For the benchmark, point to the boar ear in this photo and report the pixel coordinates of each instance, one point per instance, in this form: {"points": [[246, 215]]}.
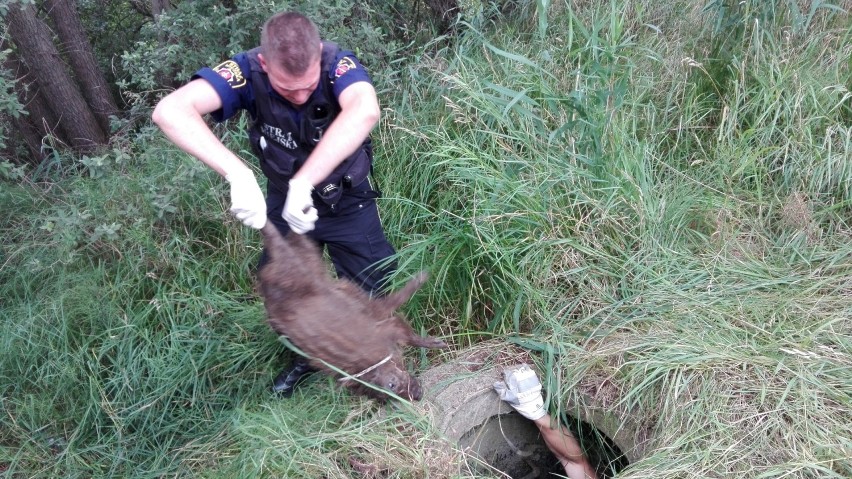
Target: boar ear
{"points": [[394, 300]]}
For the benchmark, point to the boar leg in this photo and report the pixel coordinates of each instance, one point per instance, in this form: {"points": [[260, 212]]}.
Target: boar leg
{"points": [[394, 300], [404, 334], [273, 240], [425, 341]]}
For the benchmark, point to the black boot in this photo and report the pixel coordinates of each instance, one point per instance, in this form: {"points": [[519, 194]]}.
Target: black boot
{"points": [[286, 382]]}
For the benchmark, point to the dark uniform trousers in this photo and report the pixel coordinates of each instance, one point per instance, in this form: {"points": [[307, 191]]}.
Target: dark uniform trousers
{"points": [[351, 231]]}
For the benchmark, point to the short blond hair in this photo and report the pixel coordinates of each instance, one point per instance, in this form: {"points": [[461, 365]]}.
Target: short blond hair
{"points": [[291, 41]]}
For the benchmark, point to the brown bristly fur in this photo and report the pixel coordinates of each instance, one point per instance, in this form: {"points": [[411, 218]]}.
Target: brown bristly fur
{"points": [[333, 321]]}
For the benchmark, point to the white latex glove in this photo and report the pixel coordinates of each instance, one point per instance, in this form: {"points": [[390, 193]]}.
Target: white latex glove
{"points": [[522, 390], [299, 211], [247, 202]]}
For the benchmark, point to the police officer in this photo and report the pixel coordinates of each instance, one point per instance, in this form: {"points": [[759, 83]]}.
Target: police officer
{"points": [[312, 107]]}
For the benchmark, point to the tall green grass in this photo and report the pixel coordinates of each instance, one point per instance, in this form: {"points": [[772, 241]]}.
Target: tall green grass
{"points": [[665, 226], [672, 238]]}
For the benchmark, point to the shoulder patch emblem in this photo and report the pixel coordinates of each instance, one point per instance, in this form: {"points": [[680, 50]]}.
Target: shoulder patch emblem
{"points": [[231, 72], [344, 65]]}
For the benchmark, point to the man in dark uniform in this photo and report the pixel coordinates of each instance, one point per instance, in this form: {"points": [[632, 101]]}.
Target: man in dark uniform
{"points": [[313, 107]]}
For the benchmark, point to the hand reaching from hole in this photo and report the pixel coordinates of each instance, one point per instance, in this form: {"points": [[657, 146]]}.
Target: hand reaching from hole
{"points": [[522, 390]]}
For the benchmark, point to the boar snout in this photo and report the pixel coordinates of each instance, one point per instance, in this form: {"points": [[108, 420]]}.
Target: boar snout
{"points": [[414, 392], [393, 379]]}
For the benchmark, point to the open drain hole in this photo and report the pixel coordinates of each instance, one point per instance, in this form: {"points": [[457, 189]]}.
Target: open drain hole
{"points": [[512, 444], [602, 452]]}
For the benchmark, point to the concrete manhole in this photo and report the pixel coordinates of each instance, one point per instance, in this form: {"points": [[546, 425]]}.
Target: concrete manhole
{"points": [[511, 444], [467, 412]]}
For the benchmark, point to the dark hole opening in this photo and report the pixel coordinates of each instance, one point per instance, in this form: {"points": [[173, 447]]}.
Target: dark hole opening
{"points": [[603, 454], [512, 444]]}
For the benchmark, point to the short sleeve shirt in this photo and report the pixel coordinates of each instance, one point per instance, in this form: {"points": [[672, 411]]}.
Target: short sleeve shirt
{"points": [[232, 81]]}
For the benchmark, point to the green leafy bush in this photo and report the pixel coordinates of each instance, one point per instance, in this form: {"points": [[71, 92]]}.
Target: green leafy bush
{"points": [[205, 33]]}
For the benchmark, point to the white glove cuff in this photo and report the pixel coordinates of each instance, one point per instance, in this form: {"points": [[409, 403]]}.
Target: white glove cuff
{"points": [[531, 408], [239, 174], [300, 184], [533, 415]]}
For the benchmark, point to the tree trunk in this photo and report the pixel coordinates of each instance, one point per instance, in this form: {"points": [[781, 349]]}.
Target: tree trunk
{"points": [[78, 51], [57, 88], [159, 6], [38, 120]]}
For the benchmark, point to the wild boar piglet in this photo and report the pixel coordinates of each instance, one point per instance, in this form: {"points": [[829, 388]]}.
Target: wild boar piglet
{"points": [[334, 322]]}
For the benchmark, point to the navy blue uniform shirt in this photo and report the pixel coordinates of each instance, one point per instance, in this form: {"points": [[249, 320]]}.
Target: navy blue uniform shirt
{"points": [[232, 81]]}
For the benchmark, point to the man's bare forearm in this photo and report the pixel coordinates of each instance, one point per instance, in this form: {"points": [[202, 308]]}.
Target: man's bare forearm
{"points": [[343, 137], [178, 116]]}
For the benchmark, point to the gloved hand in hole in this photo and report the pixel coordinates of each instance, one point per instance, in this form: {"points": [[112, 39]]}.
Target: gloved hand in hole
{"points": [[522, 390]]}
